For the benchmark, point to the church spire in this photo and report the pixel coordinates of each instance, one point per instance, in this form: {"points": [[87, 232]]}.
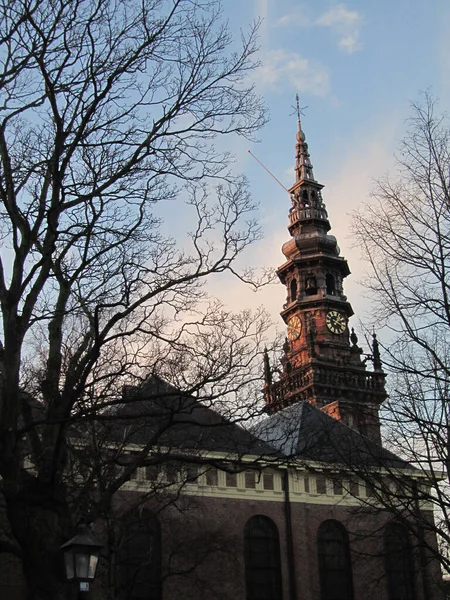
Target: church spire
{"points": [[303, 166], [308, 209], [321, 364]]}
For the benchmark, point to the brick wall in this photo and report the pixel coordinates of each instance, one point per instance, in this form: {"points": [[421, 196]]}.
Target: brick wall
{"points": [[203, 549]]}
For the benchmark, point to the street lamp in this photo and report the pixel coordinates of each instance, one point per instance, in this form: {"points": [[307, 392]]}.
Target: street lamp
{"points": [[81, 558]]}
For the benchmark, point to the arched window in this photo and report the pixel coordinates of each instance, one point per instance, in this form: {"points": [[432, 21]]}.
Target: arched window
{"points": [[331, 286], [140, 558], [293, 290], [335, 567], [262, 559], [399, 563], [310, 285]]}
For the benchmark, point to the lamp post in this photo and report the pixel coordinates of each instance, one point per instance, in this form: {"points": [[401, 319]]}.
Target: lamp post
{"points": [[81, 557]]}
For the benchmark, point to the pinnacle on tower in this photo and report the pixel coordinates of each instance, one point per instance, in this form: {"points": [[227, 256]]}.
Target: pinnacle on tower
{"points": [[267, 370], [376, 353]]}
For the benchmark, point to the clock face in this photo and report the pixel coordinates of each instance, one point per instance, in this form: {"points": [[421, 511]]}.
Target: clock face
{"points": [[294, 328], [336, 322]]}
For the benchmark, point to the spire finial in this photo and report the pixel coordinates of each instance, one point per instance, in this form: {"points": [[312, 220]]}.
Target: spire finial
{"points": [[300, 133], [303, 166], [298, 111]]}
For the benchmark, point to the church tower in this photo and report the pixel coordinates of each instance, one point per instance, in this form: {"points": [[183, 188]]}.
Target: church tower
{"points": [[322, 362]]}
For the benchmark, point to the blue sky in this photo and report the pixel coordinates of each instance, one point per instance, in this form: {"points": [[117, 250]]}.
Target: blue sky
{"points": [[357, 65]]}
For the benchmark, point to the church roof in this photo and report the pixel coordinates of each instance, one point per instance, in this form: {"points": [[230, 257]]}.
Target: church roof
{"points": [[159, 411], [303, 431]]}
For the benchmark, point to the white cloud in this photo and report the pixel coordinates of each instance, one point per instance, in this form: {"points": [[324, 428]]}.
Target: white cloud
{"points": [[339, 16], [350, 44], [346, 24], [299, 19], [280, 67]]}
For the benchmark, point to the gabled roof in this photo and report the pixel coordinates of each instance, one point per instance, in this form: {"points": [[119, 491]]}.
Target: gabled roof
{"points": [[158, 411], [305, 432]]}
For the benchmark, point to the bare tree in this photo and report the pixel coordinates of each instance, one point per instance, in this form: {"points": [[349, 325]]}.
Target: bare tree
{"points": [[404, 232], [109, 110]]}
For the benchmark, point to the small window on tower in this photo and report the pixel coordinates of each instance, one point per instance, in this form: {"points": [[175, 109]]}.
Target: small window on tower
{"points": [[305, 198], [331, 285], [310, 285], [293, 290]]}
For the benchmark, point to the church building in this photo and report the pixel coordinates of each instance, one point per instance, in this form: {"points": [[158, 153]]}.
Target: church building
{"points": [[286, 510], [289, 509]]}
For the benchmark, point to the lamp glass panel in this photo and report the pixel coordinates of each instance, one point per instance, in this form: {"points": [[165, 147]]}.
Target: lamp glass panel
{"points": [[82, 565], [92, 566], [68, 559]]}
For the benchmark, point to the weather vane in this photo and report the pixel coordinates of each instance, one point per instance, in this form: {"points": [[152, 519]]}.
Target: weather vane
{"points": [[299, 110]]}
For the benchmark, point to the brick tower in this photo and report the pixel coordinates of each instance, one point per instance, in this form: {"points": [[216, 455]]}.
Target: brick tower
{"points": [[322, 362]]}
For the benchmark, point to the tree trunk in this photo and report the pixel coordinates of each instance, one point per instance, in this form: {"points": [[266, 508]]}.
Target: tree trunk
{"points": [[39, 519]]}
